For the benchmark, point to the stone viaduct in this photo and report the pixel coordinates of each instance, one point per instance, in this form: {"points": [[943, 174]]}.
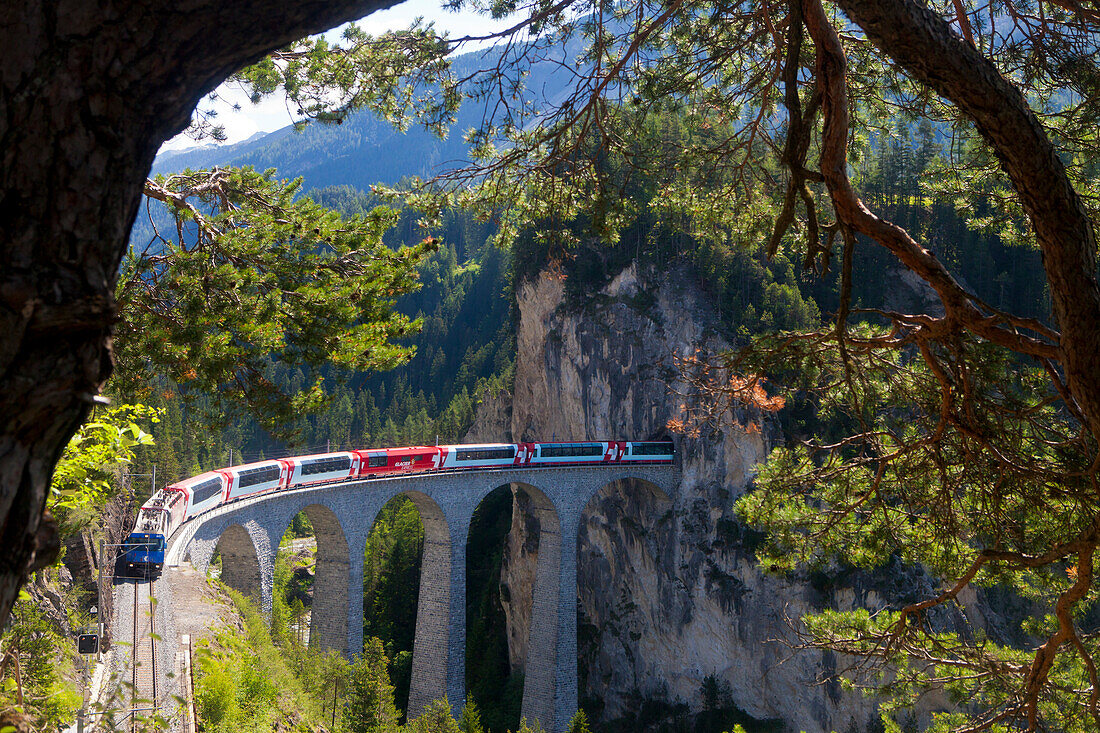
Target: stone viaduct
{"points": [[247, 534]]}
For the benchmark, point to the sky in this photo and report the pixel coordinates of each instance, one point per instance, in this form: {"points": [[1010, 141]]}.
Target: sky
{"points": [[273, 113]]}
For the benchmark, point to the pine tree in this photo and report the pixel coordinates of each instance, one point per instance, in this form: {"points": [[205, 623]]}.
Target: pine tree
{"points": [[253, 274], [470, 722], [579, 723], [436, 718], [369, 704]]}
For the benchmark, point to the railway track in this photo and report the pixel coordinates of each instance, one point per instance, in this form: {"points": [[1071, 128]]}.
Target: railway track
{"points": [[143, 668]]}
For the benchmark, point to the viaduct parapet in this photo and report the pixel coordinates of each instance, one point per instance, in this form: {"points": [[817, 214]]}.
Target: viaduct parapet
{"points": [[247, 535]]}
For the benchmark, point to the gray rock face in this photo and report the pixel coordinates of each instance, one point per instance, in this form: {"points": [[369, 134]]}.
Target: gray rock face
{"points": [[669, 592], [492, 420]]}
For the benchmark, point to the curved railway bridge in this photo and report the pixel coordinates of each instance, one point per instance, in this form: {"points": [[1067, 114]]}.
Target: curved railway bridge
{"points": [[247, 534]]}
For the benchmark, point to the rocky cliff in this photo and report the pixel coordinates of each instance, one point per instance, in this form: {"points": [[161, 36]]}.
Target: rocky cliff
{"points": [[670, 597]]}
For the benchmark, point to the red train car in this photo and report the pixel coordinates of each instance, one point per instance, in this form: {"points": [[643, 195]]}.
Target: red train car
{"points": [[390, 461]]}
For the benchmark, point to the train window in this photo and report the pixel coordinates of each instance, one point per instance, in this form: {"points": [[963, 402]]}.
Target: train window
{"points": [[376, 460], [325, 465], [205, 490], [485, 454], [142, 543], [253, 476], [572, 450], [652, 449]]}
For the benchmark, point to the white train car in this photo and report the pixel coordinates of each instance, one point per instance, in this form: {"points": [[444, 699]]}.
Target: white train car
{"points": [[201, 492], [485, 455], [322, 468], [657, 451], [255, 478], [549, 454], [162, 512]]}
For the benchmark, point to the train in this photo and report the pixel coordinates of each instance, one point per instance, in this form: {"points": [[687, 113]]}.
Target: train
{"points": [[171, 506]]}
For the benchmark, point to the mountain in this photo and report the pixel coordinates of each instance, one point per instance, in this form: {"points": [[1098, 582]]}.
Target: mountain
{"points": [[203, 156], [363, 150]]}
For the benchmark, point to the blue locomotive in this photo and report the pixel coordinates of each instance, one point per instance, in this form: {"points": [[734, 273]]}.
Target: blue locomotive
{"points": [[143, 551]]}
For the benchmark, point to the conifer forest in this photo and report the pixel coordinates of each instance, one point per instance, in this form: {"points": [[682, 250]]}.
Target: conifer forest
{"points": [[841, 254]]}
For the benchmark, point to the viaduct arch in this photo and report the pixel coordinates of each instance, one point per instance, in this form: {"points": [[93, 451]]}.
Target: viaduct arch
{"points": [[247, 533]]}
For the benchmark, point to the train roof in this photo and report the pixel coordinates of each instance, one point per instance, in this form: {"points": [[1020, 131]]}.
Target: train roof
{"points": [[320, 456], [465, 446], [249, 466], [406, 451], [190, 483]]}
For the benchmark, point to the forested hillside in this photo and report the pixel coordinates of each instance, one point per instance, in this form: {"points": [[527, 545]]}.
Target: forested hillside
{"points": [[465, 300], [844, 253], [466, 348]]}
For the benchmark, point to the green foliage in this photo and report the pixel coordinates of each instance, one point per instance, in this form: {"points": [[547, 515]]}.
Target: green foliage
{"points": [[464, 352], [899, 398], [370, 707], [292, 592], [300, 526], [32, 643], [436, 718], [646, 209], [395, 75], [909, 178], [902, 487], [283, 596], [391, 586], [255, 275], [258, 680], [88, 473], [525, 727], [719, 712], [579, 723], [216, 698], [470, 722], [244, 683]]}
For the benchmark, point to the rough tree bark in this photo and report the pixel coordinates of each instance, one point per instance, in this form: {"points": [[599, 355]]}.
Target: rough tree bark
{"points": [[88, 92]]}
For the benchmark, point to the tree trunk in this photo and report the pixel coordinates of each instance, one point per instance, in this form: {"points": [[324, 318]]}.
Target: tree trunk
{"points": [[88, 92]]}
